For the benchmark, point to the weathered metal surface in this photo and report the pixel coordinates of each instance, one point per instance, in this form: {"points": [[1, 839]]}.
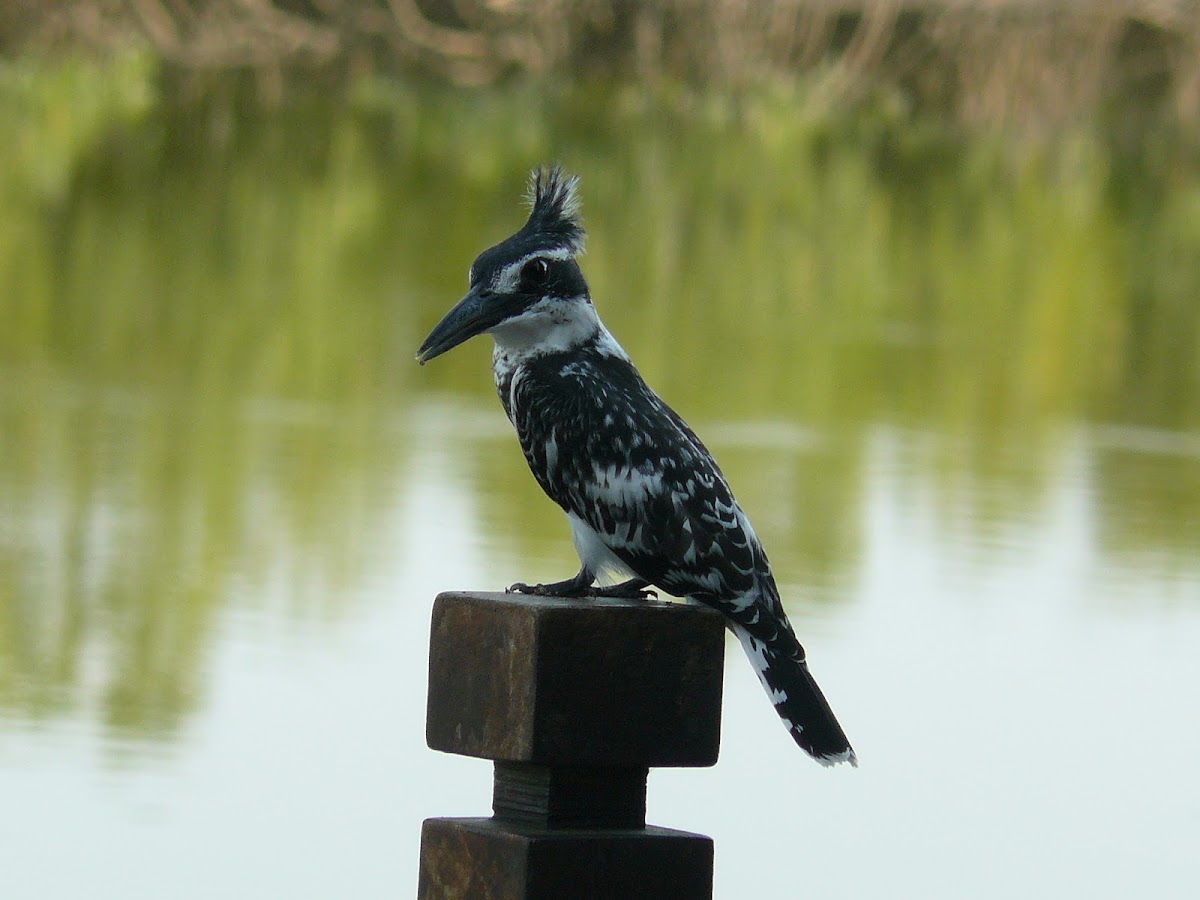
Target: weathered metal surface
{"points": [[487, 859], [593, 682]]}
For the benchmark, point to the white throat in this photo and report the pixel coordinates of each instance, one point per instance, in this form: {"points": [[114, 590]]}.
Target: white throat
{"points": [[552, 325]]}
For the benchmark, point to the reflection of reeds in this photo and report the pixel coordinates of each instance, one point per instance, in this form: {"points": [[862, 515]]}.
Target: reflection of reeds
{"points": [[763, 261], [162, 315], [130, 518], [984, 61]]}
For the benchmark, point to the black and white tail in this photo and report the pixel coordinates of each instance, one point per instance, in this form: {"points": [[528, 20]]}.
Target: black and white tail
{"points": [[783, 671]]}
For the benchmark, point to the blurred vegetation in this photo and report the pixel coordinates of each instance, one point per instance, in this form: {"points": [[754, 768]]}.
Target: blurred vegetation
{"points": [[981, 61], [214, 270]]}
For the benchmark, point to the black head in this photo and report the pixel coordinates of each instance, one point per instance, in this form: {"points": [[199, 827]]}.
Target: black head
{"points": [[521, 275]]}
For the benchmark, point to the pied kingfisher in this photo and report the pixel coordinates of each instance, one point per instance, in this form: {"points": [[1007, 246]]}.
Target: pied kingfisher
{"points": [[646, 501]]}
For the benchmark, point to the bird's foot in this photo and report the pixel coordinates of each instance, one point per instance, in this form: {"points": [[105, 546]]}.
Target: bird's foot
{"points": [[633, 589], [554, 589], [579, 586]]}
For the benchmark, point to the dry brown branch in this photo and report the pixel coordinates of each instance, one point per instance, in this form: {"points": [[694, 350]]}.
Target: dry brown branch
{"points": [[448, 42], [985, 61]]}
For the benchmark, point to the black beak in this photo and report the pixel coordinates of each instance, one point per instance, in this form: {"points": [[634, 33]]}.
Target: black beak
{"points": [[473, 314]]}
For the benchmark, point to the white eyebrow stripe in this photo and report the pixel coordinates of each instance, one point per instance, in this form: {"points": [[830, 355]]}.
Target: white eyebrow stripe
{"points": [[508, 278]]}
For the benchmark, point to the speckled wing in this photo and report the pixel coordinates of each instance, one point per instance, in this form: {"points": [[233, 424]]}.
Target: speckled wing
{"points": [[607, 449], [604, 446]]}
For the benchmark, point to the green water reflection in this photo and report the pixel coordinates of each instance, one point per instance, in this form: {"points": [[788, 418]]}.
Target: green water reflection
{"points": [[210, 311]]}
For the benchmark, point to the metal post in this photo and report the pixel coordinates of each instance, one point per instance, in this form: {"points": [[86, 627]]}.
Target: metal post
{"points": [[574, 701]]}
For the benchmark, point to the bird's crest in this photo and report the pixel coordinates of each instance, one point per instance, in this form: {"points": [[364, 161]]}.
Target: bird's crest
{"points": [[554, 199]]}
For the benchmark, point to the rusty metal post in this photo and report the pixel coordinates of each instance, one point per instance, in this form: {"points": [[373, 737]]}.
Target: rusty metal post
{"points": [[574, 701]]}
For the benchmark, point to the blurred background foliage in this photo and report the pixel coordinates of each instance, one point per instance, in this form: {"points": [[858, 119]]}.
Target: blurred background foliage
{"points": [[985, 61], [228, 223]]}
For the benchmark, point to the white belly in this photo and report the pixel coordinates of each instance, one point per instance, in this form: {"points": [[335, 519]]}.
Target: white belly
{"points": [[595, 554]]}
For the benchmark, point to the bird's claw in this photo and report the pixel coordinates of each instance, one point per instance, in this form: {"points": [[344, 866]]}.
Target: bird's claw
{"points": [[522, 588], [557, 589], [570, 589], [620, 592]]}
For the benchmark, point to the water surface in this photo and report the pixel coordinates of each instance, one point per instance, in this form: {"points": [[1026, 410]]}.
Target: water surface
{"points": [[959, 402]]}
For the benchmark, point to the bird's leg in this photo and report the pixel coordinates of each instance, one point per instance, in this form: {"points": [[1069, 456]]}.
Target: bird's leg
{"points": [[633, 589], [579, 586]]}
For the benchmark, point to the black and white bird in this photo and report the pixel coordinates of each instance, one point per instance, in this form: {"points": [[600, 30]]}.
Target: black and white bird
{"points": [[645, 499]]}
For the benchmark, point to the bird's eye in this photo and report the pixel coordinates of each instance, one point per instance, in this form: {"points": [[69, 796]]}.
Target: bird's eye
{"points": [[535, 272]]}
